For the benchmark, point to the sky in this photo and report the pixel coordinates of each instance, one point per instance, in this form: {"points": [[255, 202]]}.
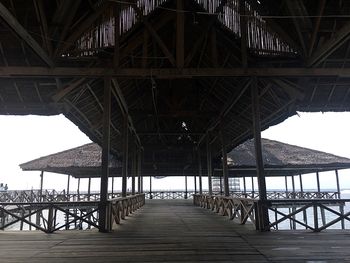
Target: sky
{"points": [[24, 138]]}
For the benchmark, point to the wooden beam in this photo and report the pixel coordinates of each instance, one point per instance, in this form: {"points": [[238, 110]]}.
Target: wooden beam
{"points": [[339, 38], [66, 90], [209, 165], [82, 27], [169, 73], [8, 18], [224, 164]]}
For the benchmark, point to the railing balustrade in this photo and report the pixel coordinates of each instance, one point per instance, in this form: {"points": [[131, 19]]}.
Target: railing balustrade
{"points": [[53, 216]]}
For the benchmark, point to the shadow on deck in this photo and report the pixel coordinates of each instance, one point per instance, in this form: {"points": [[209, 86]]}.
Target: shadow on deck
{"points": [[175, 231]]}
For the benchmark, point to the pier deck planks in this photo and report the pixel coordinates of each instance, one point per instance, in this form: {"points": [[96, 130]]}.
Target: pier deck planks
{"points": [[175, 231]]}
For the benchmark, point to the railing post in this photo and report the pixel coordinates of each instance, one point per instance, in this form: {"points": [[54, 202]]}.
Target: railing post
{"points": [[315, 218], [50, 225]]}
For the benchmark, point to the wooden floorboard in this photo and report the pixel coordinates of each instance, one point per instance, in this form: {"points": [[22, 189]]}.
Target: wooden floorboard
{"points": [[175, 231]]}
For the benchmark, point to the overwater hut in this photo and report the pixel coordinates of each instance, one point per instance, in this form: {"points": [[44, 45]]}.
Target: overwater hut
{"points": [[280, 159]]}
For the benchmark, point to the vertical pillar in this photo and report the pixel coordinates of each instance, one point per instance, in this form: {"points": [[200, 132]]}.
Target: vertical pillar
{"points": [[41, 185], [338, 185], [293, 186], [150, 187], [68, 186], [195, 183], [103, 213], [209, 168], [224, 165], [89, 189], [133, 172], [263, 216], [200, 171], [139, 171], [253, 188], [318, 184], [113, 187], [186, 189], [244, 185], [301, 184], [78, 190], [125, 156]]}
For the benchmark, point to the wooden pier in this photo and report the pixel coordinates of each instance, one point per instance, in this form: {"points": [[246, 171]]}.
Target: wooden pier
{"points": [[174, 231]]}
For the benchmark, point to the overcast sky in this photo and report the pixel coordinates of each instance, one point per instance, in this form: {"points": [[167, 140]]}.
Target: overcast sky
{"points": [[24, 138]]}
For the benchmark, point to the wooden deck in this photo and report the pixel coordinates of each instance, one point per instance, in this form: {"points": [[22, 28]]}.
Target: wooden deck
{"points": [[175, 231]]}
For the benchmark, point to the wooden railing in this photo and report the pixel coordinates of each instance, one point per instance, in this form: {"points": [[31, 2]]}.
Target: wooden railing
{"points": [[289, 195], [53, 216], [242, 210], [122, 207], [315, 215]]}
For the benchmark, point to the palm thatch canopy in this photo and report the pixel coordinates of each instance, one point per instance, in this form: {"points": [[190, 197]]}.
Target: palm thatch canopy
{"points": [[282, 159], [279, 159], [82, 161]]}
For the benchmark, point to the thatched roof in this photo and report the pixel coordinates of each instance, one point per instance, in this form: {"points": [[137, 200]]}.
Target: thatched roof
{"points": [[279, 159], [81, 161], [283, 159]]}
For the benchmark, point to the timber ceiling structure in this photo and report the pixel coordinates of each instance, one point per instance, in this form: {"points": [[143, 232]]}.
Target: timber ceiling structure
{"points": [[181, 70]]}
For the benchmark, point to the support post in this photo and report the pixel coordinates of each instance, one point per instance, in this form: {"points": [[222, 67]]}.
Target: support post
{"points": [[41, 185], [318, 184], [103, 211], [301, 185], [125, 156], [78, 190], [338, 185], [186, 189], [89, 189], [68, 186], [113, 187], [139, 171], [244, 185], [209, 160], [150, 187], [133, 172], [263, 219], [293, 186], [224, 166], [200, 171]]}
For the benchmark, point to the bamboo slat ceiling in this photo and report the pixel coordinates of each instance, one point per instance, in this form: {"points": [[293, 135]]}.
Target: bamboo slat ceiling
{"points": [[180, 69], [279, 159]]}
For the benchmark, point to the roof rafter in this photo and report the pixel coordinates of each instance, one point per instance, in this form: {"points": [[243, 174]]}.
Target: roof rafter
{"points": [[6, 15]]}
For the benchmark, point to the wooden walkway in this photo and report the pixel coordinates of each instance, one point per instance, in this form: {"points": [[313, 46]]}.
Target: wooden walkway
{"points": [[175, 231]]}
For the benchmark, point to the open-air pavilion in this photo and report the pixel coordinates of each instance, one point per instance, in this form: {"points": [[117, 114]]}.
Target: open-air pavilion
{"points": [[174, 85]]}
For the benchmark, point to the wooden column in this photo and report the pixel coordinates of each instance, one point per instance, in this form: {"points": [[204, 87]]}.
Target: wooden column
{"points": [[244, 185], [224, 166], [78, 190], [125, 156], [318, 182], [301, 184], [103, 214], [286, 184], [68, 186], [113, 187], [263, 216], [139, 175], [209, 168], [186, 187], [200, 171], [41, 185], [195, 184], [150, 187], [133, 172], [89, 188], [338, 185]]}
